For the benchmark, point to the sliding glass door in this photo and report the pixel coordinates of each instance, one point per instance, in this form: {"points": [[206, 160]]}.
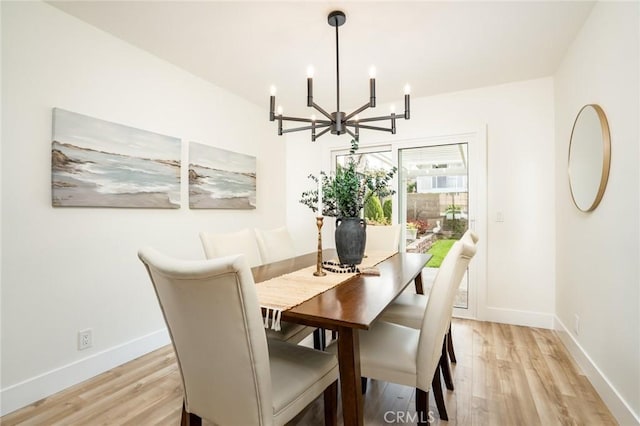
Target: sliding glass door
{"points": [[434, 204], [440, 193]]}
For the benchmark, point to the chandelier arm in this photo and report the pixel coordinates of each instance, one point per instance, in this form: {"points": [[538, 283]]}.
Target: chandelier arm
{"points": [[358, 111], [381, 118], [297, 129], [383, 129], [353, 135], [323, 132], [322, 111], [305, 120]]}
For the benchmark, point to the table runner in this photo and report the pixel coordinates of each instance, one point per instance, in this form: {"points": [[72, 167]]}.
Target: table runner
{"points": [[286, 291]]}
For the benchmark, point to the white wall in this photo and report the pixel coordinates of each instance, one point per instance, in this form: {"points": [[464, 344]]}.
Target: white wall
{"points": [[67, 269], [597, 253], [521, 176]]}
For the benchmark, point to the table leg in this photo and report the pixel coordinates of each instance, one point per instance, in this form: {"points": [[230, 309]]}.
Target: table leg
{"points": [[418, 283], [349, 363]]}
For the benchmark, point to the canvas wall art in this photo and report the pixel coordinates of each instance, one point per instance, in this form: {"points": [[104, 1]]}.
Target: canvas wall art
{"points": [[221, 179], [96, 163]]}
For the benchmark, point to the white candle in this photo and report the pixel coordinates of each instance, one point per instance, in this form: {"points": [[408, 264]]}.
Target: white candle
{"points": [[320, 197]]}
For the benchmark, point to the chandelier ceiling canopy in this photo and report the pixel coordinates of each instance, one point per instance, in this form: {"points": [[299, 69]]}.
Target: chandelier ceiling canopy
{"points": [[338, 122]]}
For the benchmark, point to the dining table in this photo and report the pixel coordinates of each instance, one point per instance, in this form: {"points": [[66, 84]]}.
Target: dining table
{"points": [[348, 308]]}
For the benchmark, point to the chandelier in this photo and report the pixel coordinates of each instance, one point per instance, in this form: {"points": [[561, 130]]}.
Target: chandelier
{"points": [[338, 123]]}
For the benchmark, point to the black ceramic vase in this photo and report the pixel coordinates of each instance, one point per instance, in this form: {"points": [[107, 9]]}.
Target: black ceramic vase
{"points": [[351, 236]]}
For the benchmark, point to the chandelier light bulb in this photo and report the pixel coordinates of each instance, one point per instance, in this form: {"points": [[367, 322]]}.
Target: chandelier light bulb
{"points": [[407, 89], [392, 108], [356, 118], [372, 72], [313, 117], [309, 71], [279, 109], [273, 90]]}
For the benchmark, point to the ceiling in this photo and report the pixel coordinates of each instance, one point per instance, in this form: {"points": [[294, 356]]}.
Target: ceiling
{"points": [[436, 47]]}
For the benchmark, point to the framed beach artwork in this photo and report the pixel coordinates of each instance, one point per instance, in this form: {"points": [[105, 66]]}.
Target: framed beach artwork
{"points": [[96, 163], [221, 179]]}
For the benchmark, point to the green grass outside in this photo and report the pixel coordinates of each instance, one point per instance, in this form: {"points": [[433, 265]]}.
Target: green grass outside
{"points": [[439, 250]]}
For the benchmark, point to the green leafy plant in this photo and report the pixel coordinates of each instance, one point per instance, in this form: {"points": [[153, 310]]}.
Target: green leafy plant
{"points": [[345, 193], [373, 210], [452, 208], [421, 225], [387, 208], [454, 222]]}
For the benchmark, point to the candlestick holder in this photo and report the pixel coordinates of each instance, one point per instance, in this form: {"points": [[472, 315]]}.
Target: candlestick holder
{"points": [[319, 272]]}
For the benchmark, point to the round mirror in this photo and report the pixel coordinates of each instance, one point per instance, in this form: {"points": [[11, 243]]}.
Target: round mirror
{"points": [[589, 157]]}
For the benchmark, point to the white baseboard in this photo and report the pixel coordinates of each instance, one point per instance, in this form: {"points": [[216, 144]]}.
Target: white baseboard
{"points": [[31, 390], [516, 317], [616, 404]]}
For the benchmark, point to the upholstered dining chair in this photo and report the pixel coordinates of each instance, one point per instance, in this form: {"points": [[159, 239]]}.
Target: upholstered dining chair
{"points": [[224, 244], [231, 374], [382, 238], [244, 242], [407, 356], [472, 238], [408, 310], [275, 244]]}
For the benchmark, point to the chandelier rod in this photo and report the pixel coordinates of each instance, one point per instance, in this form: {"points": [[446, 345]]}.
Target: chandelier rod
{"points": [[335, 18]]}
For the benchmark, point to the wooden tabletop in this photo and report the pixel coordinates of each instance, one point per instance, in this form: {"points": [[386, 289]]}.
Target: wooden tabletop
{"points": [[355, 303]]}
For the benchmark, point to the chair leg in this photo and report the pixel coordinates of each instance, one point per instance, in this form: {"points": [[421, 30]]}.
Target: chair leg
{"points": [[444, 366], [331, 404], [363, 384], [449, 340], [189, 419], [438, 396], [422, 407], [318, 341]]}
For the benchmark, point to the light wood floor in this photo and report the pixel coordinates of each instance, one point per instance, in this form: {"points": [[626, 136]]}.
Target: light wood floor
{"points": [[505, 375]]}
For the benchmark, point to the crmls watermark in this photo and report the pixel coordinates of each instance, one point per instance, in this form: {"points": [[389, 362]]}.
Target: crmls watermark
{"points": [[396, 417]]}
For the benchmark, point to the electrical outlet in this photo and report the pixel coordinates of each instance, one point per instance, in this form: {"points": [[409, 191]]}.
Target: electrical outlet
{"points": [[576, 325], [85, 339]]}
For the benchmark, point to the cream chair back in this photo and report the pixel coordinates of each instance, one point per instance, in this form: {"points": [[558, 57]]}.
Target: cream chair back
{"points": [[275, 244], [212, 313], [470, 237], [437, 315], [385, 238], [241, 242]]}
